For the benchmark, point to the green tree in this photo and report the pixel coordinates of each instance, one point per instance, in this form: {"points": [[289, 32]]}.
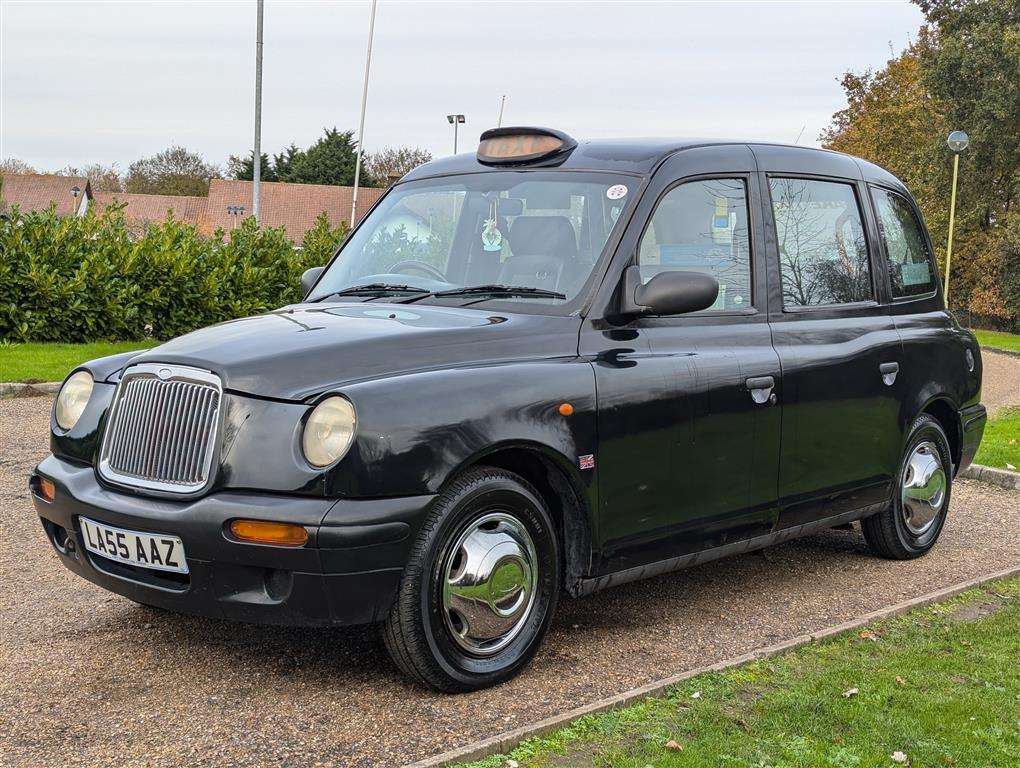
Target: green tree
{"points": [[174, 171], [244, 168], [330, 160], [283, 163], [974, 72]]}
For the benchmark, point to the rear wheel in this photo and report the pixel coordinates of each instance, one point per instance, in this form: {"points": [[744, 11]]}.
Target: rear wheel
{"points": [[911, 525], [480, 587]]}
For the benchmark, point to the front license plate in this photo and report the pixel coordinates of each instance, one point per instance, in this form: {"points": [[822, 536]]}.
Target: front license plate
{"points": [[148, 550]]}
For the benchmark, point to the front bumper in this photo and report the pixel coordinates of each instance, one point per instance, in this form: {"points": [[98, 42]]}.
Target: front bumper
{"points": [[972, 422], [347, 573]]}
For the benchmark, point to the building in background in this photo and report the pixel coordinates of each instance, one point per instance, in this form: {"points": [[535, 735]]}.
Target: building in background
{"points": [[291, 206], [294, 207], [38, 191], [142, 210]]}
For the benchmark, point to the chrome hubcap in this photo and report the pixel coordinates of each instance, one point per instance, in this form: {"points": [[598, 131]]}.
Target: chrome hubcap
{"points": [[489, 582], [923, 488]]}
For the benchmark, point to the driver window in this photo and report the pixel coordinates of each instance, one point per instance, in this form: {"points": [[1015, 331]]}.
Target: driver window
{"points": [[701, 226], [418, 229]]}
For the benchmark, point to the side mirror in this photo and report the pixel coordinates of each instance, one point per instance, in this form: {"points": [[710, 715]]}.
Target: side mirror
{"points": [[309, 278], [668, 293]]}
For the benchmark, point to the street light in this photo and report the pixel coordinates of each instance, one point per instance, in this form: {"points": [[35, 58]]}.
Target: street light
{"points": [[958, 141], [455, 120]]}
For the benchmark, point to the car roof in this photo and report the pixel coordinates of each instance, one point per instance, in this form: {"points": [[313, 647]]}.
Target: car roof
{"points": [[643, 155]]}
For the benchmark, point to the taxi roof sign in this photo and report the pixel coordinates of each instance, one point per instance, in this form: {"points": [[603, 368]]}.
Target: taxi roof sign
{"points": [[521, 145]]}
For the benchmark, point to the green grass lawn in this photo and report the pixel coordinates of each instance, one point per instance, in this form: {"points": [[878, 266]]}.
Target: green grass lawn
{"points": [[940, 685], [51, 362], [998, 340], [1001, 442]]}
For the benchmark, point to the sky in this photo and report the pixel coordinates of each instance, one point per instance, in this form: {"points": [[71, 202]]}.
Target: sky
{"points": [[109, 82]]}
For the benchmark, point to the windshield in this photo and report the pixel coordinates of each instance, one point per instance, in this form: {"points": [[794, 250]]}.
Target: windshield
{"points": [[520, 236]]}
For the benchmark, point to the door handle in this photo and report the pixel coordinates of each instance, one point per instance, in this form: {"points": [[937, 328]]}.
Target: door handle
{"points": [[760, 388], [889, 371]]}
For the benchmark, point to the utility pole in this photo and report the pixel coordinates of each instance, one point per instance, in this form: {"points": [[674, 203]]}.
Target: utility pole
{"points": [[257, 164], [361, 124]]}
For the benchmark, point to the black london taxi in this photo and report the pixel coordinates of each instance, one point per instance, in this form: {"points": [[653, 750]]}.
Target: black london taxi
{"points": [[544, 367]]}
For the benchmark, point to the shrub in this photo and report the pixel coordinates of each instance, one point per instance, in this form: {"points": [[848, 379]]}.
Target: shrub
{"points": [[86, 279]]}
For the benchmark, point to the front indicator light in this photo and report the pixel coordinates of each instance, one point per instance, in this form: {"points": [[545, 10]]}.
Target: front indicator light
{"points": [[47, 490], [329, 431], [71, 400], [263, 532]]}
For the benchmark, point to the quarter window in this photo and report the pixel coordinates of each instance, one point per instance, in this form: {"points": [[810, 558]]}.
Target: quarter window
{"points": [[906, 252], [701, 226], [823, 256]]}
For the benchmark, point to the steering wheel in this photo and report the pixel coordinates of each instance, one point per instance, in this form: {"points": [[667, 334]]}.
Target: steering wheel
{"points": [[427, 269]]}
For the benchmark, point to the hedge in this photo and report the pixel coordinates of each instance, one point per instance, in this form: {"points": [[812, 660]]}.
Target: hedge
{"points": [[91, 278]]}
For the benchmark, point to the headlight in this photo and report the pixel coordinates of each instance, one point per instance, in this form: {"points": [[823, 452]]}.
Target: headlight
{"points": [[73, 397], [329, 431]]}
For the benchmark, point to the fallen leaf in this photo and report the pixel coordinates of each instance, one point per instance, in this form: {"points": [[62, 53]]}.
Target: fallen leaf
{"points": [[867, 634], [512, 764], [671, 744], [850, 692], [696, 695], [900, 757], [900, 680]]}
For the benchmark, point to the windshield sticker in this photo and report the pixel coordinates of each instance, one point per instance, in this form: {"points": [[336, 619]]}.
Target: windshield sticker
{"points": [[616, 191]]}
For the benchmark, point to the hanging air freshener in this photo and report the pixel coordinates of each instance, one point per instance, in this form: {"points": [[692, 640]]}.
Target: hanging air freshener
{"points": [[492, 238]]}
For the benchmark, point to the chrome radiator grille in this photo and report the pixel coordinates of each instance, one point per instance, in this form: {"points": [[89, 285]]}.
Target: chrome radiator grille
{"points": [[162, 429]]}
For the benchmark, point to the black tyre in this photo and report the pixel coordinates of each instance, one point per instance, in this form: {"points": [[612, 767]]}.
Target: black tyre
{"points": [[480, 587], [912, 523]]}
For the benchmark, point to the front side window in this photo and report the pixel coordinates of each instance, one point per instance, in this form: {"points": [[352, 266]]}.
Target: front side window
{"points": [[823, 256], [541, 230], [702, 226], [906, 252]]}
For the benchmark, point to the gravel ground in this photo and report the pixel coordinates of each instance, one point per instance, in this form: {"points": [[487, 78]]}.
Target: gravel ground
{"points": [[90, 679], [1000, 381]]}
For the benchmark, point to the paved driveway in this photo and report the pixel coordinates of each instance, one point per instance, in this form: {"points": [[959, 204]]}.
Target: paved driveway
{"points": [[90, 679]]}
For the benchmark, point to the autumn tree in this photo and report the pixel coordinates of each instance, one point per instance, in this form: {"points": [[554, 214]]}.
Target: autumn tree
{"points": [[102, 178], [174, 171], [13, 165], [963, 72], [394, 162]]}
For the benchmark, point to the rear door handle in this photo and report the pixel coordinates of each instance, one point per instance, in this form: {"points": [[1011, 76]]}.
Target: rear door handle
{"points": [[889, 371], [760, 388]]}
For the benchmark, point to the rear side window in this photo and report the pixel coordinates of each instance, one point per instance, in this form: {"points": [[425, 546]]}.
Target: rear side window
{"points": [[701, 226], [906, 252], [823, 256]]}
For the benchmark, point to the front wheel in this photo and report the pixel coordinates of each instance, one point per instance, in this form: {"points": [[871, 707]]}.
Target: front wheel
{"points": [[912, 523], [480, 587]]}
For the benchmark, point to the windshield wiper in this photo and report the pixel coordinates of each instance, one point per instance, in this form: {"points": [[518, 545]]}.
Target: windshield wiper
{"points": [[502, 290], [376, 289]]}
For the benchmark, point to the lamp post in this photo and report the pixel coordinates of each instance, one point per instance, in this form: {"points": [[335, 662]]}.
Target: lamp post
{"points": [[958, 141], [455, 120], [257, 155]]}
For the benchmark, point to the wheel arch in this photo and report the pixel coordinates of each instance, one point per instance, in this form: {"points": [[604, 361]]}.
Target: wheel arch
{"points": [[556, 480], [942, 409]]}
